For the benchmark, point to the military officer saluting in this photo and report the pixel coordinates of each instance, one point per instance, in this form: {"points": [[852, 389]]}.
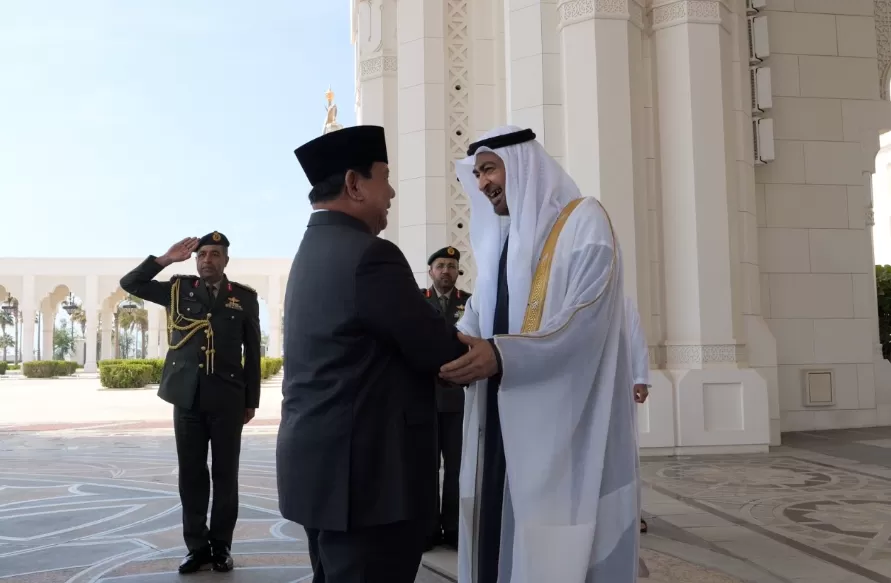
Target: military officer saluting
{"points": [[210, 319], [445, 296]]}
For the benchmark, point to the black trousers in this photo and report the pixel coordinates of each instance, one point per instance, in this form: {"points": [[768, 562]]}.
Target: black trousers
{"points": [[194, 430], [451, 429], [388, 553]]}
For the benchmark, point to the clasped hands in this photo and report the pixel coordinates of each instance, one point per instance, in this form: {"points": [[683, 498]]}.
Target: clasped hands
{"points": [[479, 363]]}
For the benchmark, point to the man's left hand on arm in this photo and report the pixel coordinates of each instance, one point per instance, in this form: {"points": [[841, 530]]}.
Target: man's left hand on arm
{"points": [[480, 362], [641, 392], [248, 415]]}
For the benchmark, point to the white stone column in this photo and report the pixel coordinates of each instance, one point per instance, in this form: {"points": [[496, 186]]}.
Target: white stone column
{"points": [[48, 320], [603, 110], [154, 329], [422, 131], [719, 401], [533, 56], [377, 85], [91, 308], [27, 313], [273, 306], [106, 328]]}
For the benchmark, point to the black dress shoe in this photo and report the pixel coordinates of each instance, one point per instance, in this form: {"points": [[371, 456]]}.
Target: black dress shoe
{"points": [[222, 560], [195, 560]]}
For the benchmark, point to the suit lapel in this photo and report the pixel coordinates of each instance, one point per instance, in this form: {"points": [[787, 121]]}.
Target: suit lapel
{"points": [[433, 298], [222, 294], [202, 294], [452, 306]]}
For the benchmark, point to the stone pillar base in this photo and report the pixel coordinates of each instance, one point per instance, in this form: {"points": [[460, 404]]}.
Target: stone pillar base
{"points": [[713, 410]]}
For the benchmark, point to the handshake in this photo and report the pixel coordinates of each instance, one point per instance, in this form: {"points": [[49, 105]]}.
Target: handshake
{"points": [[479, 363]]}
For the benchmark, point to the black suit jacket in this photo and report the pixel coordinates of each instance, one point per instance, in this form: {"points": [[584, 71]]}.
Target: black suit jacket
{"points": [[449, 396], [235, 320], [357, 441]]}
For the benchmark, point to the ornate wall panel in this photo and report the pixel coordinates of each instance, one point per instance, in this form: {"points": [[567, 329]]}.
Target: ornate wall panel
{"points": [[883, 42], [458, 129]]}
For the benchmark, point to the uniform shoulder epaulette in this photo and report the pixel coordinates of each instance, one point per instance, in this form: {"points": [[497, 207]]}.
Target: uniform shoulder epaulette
{"points": [[466, 294], [244, 286], [181, 276]]}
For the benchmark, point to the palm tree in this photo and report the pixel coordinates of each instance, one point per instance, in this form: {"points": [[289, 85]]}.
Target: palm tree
{"points": [[135, 322], [79, 317], [6, 319]]}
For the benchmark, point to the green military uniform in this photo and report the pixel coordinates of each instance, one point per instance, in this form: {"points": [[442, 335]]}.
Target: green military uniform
{"points": [[210, 382], [450, 407]]}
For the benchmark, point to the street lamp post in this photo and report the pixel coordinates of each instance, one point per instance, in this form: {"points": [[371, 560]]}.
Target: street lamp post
{"points": [[70, 307], [128, 307]]}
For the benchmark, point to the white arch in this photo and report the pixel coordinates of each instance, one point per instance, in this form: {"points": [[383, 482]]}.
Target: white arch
{"points": [[95, 282]]}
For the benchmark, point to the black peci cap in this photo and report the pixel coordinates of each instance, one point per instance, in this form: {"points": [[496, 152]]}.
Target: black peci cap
{"points": [[342, 150]]}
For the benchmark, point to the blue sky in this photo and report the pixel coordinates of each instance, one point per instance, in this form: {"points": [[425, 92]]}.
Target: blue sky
{"points": [[126, 126]]}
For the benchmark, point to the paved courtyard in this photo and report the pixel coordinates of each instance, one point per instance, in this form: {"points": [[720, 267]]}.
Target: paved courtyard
{"points": [[88, 495]]}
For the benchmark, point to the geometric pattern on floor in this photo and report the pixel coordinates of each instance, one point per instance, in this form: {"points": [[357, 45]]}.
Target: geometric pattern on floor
{"points": [[664, 568], [87, 504], [84, 508], [838, 513]]}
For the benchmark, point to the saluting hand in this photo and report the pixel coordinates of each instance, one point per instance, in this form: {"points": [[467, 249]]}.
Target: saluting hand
{"points": [[479, 362], [180, 251]]}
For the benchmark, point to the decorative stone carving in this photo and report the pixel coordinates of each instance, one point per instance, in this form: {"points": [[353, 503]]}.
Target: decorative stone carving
{"points": [[573, 11], [674, 12], [377, 66], [882, 13], [458, 131], [695, 356]]}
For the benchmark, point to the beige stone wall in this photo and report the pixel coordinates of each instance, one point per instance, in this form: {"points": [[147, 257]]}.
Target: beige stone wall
{"points": [[815, 253]]}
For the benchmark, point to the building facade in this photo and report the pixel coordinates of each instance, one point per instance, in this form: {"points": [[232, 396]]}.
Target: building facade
{"points": [[35, 288], [733, 143]]}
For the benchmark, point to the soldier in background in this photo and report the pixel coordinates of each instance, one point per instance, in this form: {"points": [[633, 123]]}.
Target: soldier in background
{"points": [[209, 320], [445, 296]]}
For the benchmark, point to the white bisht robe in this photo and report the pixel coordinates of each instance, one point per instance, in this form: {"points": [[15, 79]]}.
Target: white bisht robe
{"points": [[571, 507], [640, 353]]}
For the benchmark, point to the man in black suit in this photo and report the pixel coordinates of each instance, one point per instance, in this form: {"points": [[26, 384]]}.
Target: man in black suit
{"points": [[356, 455], [213, 393], [449, 301]]}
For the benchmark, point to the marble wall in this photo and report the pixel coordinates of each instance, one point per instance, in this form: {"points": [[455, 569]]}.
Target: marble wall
{"points": [[746, 276]]}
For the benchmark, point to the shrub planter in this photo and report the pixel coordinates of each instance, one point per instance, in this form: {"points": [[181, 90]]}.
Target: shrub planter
{"points": [[125, 375], [47, 369]]}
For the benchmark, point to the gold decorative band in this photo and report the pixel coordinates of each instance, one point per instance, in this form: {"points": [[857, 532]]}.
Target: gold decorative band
{"points": [[539, 289]]}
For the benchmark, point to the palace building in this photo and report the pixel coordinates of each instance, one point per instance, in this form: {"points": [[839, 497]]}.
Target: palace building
{"points": [[734, 143]]}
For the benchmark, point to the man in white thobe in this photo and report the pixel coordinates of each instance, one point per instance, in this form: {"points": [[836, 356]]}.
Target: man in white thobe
{"points": [[640, 363], [549, 482]]}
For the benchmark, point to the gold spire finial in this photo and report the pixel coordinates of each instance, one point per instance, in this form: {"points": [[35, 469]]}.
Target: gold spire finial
{"points": [[331, 117]]}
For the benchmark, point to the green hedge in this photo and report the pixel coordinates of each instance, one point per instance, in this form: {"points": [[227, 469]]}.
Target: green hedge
{"points": [[46, 369], [270, 367], [14, 367], [134, 374], [156, 364], [3, 366]]}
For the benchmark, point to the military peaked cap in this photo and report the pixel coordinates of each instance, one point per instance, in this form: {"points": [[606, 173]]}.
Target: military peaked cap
{"points": [[215, 238], [341, 150], [445, 253]]}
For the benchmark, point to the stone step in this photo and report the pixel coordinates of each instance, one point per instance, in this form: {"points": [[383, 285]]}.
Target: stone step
{"points": [[443, 562]]}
